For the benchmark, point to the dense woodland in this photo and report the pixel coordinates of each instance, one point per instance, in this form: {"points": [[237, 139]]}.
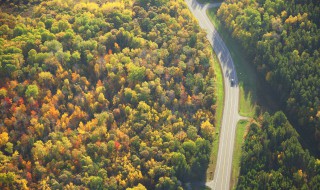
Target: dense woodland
{"points": [[273, 158], [282, 38], [105, 95]]}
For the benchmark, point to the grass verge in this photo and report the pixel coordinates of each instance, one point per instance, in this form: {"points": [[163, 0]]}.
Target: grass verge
{"points": [[247, 108], [240, 132], [219, 87]]}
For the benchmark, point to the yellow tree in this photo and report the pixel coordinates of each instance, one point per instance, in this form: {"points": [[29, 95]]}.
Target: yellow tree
{"points": [[4, 138]]}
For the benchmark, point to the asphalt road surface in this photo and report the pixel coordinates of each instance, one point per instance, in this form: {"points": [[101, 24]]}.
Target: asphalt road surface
{"points": [[222, 174]]}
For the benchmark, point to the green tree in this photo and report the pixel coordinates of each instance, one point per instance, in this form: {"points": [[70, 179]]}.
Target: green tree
{"points": [[95, 182], [53, 46], [178, 161], [32, 91], [136, 73]]}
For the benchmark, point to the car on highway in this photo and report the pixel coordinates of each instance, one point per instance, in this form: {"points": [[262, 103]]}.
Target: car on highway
{"points": [[232, 81]]}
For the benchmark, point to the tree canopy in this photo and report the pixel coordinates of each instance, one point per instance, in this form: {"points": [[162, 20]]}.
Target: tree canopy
{"points": [[104, 95], [282, 38], [273, 157]]}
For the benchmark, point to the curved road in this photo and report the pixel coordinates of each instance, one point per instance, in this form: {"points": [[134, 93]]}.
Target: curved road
{"points": [[230, 118]]}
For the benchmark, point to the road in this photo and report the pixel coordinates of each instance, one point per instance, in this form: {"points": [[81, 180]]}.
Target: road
{"points": [[222, 174]]}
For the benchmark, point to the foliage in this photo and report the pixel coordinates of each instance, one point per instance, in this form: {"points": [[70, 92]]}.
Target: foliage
{"points": [[106, 95], [273, 157]]}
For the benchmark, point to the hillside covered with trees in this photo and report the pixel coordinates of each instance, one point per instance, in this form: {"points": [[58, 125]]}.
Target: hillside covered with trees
{"points": [[273, 158], [104, 95], [282, 38]]}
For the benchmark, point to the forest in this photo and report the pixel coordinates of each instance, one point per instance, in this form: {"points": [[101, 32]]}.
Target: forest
{"points": [[103, 95], [273, 158], [282, 40]]}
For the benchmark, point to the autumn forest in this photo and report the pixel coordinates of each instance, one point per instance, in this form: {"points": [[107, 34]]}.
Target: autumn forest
{"points": [[122, 94], [104, 95]]}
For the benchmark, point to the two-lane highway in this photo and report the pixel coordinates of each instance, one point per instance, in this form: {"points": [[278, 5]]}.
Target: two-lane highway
{"points": [[230, 118]]}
